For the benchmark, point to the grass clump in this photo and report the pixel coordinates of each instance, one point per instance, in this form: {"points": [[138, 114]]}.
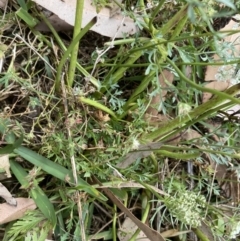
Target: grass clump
{"points": [[77, 111]]}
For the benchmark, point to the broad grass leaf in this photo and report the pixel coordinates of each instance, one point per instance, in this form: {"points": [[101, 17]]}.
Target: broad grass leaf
{"points": [[36, 193], [56, 170]]}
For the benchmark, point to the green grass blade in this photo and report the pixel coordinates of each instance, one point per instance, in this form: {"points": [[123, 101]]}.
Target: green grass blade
{"points": [[26, 17], [76, 31], [39, 197], [56, 170], [94, 81], [10, 148], [67, 53], [211, 106], [22, 4], [174, 20], [98, 106]]}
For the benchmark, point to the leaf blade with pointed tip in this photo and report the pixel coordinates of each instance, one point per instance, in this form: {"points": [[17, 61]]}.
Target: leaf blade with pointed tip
{"points": [[10, 147], [56, 170], [36, 193], [142, 152]]}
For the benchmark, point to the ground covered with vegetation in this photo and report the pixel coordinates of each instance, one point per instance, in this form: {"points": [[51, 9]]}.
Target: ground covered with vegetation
{"points": [[113, 138]]}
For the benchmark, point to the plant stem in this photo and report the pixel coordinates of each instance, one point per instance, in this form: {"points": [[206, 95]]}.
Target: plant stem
{"points": [[63, 48], [204, 89], [77, 30], [120, 71], [68, 51], [114, 224], [200, 234], [181, 122]]}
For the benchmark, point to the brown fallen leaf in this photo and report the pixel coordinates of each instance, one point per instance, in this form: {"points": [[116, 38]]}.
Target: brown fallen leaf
{"points": [[231, 187], [118, 25], [150, 233], [7, 196], [127, 229], [190, 134], [228, 181], [212, 72], [3, 3], [217, 85], [143, 151], [235, 110], [165, 79], [173, 233], [222, 77], [11, 213], [131, 184]]}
